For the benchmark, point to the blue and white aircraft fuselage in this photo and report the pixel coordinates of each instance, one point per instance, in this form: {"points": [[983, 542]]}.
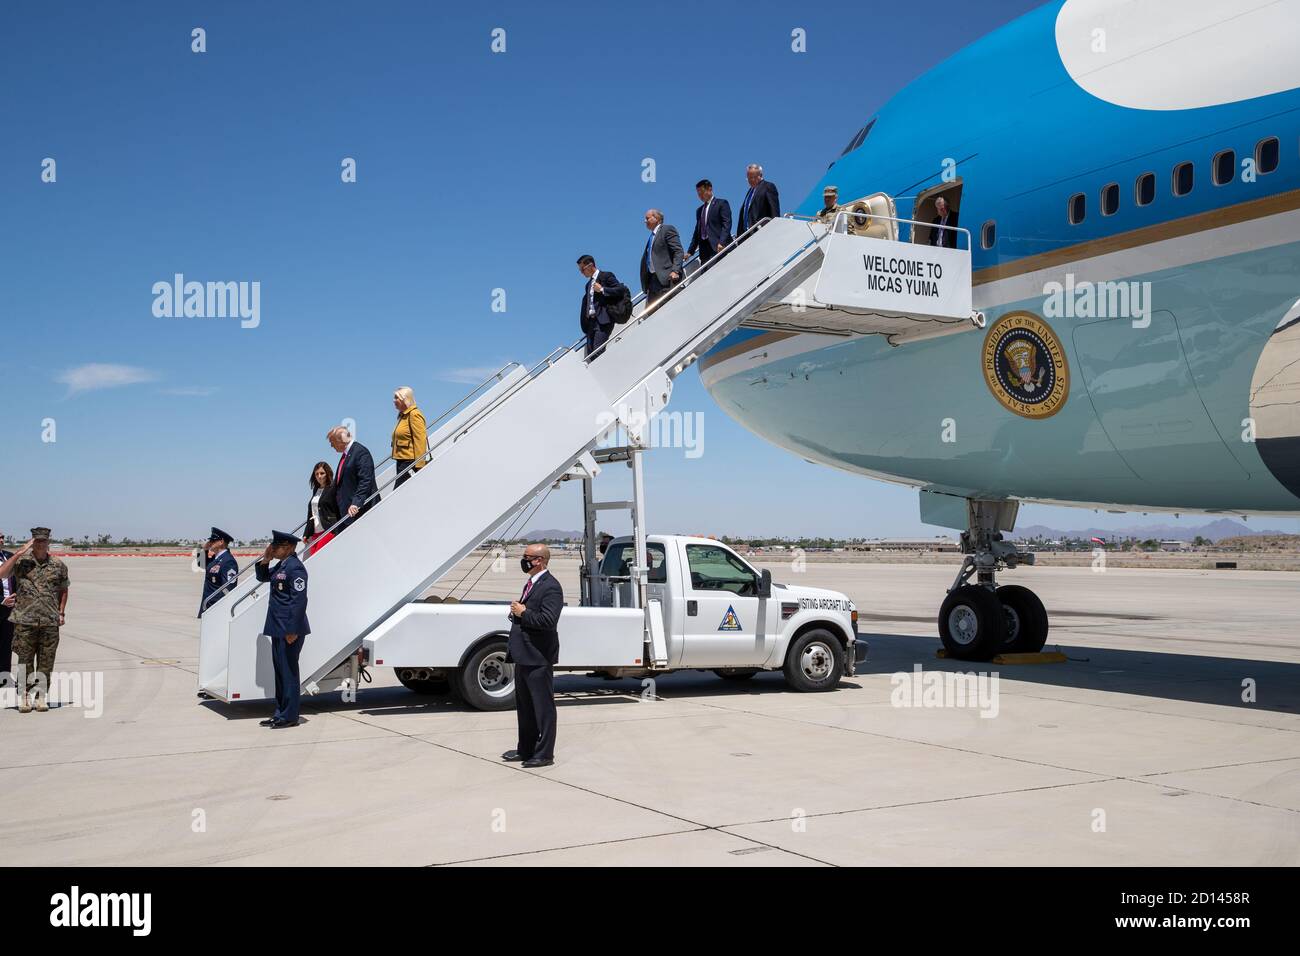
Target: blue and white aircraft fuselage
{"points": [[1106, 157]]}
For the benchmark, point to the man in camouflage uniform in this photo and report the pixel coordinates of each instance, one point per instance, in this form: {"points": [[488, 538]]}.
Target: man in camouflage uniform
{"points": [[830, 204], [38, 613]]}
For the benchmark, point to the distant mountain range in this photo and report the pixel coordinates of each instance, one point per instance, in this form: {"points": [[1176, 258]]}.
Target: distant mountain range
{"points": [[1214, 531], [551, 534]]}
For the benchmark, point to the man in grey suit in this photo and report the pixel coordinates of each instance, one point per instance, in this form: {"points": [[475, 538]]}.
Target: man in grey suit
{"points": [[662, 263]]}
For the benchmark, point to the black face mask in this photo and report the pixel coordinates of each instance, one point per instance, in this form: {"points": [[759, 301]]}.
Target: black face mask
{"points": [[525, 564]]}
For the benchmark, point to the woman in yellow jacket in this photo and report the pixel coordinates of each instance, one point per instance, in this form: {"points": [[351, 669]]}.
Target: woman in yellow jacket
{"points": [[410, 440]]}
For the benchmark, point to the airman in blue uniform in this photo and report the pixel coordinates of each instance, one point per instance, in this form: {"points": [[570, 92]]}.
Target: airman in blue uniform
{"points": [[220, 569], [286, 623]]}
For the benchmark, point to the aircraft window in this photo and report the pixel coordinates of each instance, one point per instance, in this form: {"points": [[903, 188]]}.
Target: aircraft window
{"points": [[618, 562], [989, 234], [717, 569], [1225, 167], [1110, 199], [1182, 179], [857, 139], [1266, 154], [1144, 190], [1078, 209]]}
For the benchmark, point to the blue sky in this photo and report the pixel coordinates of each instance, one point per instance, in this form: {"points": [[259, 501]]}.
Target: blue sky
{"points": [[475, 171]]}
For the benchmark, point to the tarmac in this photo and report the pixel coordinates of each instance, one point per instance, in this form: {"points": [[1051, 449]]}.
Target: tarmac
{"points": [[1170, 736]]}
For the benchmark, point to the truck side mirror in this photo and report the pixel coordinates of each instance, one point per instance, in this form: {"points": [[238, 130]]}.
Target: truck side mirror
{"points": [[765, 584]]}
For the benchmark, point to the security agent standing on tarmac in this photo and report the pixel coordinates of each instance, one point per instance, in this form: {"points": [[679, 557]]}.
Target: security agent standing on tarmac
{"points": [[221, 570], [286, 624], [534, 649]]}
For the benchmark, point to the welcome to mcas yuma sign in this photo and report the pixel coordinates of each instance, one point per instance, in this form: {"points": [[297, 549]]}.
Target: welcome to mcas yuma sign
{"points": [[882, 275]]}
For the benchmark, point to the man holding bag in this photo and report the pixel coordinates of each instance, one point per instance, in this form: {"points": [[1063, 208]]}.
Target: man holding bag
{"points": [[606, 302]]}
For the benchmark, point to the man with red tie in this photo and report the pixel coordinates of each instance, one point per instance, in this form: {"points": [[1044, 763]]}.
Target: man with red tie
{"points": [[354, 481], [712, 223], [534, 649]]}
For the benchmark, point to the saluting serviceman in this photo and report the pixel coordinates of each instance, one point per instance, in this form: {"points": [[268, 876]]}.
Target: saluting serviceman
{"points": [[221, 570], [38, 613], [286, 623]]}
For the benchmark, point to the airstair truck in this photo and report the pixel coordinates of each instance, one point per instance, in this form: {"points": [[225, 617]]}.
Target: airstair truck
{"points": [[692, 604], [487, 459]]}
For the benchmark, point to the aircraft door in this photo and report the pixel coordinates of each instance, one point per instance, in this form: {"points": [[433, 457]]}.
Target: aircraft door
{"points": [[1142, 389]]}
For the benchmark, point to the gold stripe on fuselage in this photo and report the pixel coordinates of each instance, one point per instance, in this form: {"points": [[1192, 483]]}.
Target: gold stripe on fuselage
{"points": [[1089, 249]]}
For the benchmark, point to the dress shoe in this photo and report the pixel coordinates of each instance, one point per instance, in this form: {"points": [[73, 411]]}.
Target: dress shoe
{"points": [[281, 724], [513, 756], [537, 762], [269, 722]]}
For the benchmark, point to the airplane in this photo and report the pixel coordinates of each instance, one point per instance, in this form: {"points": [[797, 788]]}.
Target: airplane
{"points": [[1128, 174]]}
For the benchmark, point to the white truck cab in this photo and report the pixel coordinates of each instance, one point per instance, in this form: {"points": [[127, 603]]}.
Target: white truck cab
{"points": [[719, 611], [705, 608]]}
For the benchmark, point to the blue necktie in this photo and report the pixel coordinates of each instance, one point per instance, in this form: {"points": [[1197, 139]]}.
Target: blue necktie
{"points": [[649, 263], [744, 212]]}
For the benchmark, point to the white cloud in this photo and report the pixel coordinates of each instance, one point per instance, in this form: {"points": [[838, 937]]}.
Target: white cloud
{"points": [[473, 375], [96, 375]]}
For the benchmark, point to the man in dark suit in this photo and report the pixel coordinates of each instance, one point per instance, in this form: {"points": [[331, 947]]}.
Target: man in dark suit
{"points": [[761, 202], [712, 224], [944, 238], [603, 290], [8, 596], [355, 476], [662, 263], [534, 648]]}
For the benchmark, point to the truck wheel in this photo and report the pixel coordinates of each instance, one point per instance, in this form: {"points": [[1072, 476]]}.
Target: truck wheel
{"points": [[815, 661], [1026, 619], [422, 685], [487, 682], [736, 673], [972, 625]]}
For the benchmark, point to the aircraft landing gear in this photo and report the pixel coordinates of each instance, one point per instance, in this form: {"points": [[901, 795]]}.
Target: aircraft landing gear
{"points": [[979, 620]]}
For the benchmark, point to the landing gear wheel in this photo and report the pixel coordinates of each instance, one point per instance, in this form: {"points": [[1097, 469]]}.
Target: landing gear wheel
{"points": [[1026, 619], [815, 661], [428, 685], [487, 682], [972, 625], [736, 673]]}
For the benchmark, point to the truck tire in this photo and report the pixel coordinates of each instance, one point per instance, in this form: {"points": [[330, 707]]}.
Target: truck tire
{"points": [[972, 625], [815, 661], [427, 685], [487, 682], [736, 673]]}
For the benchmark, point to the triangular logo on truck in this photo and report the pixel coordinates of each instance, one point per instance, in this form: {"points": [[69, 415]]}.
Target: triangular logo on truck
{"points": [[729, 620]]}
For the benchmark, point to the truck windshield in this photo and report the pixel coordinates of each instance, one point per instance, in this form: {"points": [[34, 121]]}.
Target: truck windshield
{"points": [[618, 562], [717, 569]]}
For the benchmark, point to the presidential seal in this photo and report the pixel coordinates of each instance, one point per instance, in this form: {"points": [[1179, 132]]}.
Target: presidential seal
{"points": [[1025, 367]]}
